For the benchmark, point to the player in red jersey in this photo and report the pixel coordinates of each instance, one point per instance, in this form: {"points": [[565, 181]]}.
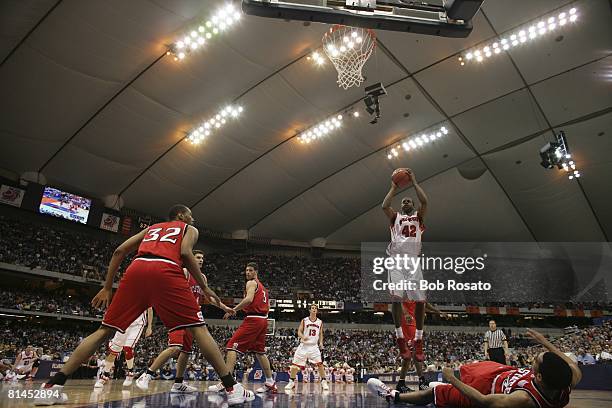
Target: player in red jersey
{"points": [[179, 344], [408, 325], [250, 337], [489, 384], [154, 278], [407, 227]]}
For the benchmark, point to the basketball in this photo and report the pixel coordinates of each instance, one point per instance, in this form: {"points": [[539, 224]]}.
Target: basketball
{"points": [[401, 178]]}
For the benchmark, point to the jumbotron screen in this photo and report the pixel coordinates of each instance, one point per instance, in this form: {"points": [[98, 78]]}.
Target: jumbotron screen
{"points": [[65, 205]]}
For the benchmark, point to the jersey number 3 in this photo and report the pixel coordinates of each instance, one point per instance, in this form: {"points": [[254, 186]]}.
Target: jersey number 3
{"points": [[409, 231], [153, 234]]}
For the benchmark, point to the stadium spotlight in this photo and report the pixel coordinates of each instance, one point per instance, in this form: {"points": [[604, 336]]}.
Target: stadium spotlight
{"points": [[321, 129], [557, 154], [414, 142], [519, 37], [224, 18], [205, 129], [326, 126], [317, 58]]}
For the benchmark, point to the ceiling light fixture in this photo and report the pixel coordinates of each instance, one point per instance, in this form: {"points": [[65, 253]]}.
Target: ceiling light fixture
{"points": [[317, 58], [206, 128], [414, 142], [518, 37], [198, 36], [327, 126]]}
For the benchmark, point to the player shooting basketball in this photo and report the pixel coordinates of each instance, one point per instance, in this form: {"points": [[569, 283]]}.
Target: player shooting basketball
{"points": [[406, 228]]}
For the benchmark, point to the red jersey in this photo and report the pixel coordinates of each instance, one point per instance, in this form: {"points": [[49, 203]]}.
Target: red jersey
{"points": [[163, 240], [523, 379], [260, 304], [195, 288]]}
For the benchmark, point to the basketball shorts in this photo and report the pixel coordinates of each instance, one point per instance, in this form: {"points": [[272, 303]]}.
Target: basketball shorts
{"points": [[478, 375], [154, 282], [307, 353], [250, 337], [408, 328], [130, 337], [405, 282], [181, 338]]}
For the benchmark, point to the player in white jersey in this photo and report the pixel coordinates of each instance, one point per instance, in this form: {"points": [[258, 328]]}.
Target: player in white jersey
{"points": [[329, 371], [126, 342], [339, 373], [26, 363], [406, 228], [310, 333], [349, 373]]}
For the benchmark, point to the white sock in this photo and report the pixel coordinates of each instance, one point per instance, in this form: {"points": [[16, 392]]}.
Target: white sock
{"points": [[269, 380], [399, 333], [418, 335]]}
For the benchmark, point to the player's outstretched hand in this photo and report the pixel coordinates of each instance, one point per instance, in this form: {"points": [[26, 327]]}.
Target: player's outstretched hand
{"points": [[448, 374], [411, 174], [536, 335], [102, 299]]}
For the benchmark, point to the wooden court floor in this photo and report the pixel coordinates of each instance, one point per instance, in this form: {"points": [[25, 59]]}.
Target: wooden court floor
{"points": [[82, 394]]}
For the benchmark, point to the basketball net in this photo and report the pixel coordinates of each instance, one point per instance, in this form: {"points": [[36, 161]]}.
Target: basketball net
{"points": [[349, 48]]}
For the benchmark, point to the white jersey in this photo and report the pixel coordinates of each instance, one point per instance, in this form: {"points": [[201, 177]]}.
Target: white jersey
{"points": [[406, 232], [27, 360], [350, 374], [312, 331]]}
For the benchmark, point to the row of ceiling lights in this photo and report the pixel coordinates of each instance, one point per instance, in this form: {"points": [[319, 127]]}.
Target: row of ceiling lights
{"points": [[229, 15]]}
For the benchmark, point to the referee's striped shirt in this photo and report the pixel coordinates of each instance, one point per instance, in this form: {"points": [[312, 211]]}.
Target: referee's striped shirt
{"points": [[495, 338]]}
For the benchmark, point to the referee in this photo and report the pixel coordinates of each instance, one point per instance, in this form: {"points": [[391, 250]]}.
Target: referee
{"points": [[495, 344]]}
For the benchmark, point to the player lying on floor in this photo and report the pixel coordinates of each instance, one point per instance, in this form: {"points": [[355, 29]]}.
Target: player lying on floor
{"points": [[493, 385]]}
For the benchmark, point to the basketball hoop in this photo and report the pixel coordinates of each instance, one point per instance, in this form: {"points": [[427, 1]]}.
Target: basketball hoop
{"points": [[349, 48]]}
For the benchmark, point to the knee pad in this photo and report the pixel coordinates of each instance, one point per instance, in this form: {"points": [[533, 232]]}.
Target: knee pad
{"points": [[36, 363], [129, 353]]}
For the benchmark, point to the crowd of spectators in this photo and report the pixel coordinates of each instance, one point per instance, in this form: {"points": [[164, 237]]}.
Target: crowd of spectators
{"points": [[57, 248], [590, 345], [443, 349], [39, 246], [46, 303]]}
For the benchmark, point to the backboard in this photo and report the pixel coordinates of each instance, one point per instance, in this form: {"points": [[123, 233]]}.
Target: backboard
{"points": [[451, 18]]}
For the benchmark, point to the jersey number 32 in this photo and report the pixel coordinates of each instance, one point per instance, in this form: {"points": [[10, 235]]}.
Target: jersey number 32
{"points": [[168, 235]]}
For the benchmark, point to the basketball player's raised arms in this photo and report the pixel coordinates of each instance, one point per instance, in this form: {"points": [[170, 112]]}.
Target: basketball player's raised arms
{"points": [[386, 204], [420, 195], [103, 298], [539, 337]]}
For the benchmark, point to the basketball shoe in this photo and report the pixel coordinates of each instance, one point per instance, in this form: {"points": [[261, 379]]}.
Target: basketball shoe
{"points": [[379, 388]]}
